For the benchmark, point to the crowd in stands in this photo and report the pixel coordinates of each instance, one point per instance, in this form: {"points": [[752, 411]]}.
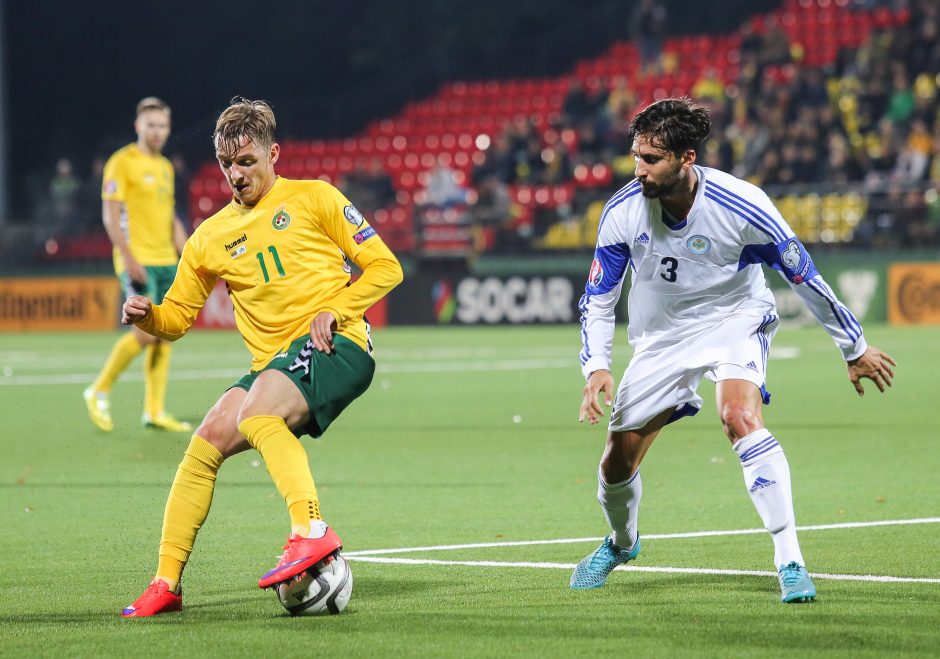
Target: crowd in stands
{"points": [[783, 119], [869, 118]]}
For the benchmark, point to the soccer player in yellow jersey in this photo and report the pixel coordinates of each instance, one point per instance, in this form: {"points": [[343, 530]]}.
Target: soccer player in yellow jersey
{"points": [[281, 246], [139, 216]]}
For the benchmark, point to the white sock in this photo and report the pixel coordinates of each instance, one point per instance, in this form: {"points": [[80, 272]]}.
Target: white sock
{"points": [[621, 505], [317, 528], [767, 479]]}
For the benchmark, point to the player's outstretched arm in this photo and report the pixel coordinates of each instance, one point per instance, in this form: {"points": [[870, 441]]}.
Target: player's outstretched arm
{"points": [[874, 365], [136, 308], [600, 381]]}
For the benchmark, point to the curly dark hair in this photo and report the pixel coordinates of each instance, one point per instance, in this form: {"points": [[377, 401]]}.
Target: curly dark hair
{"points": [[673, 124]]}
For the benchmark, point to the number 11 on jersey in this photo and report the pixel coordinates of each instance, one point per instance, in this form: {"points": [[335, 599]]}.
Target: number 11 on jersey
{"points": [[277, 263]]}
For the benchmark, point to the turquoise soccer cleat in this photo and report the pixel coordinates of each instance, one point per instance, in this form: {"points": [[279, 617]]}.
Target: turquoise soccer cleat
{"points": [[795, 585], [593, 569]]}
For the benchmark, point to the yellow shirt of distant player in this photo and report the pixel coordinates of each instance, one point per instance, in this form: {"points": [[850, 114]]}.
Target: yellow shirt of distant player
{"points": [[144, 184], [282, 261]]}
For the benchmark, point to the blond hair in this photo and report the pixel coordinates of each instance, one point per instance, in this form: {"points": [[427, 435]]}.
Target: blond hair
{"points": [[244, 119], [151, 103]]}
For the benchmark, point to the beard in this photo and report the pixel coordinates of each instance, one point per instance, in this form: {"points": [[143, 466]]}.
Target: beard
{"points": [[655, 190]]}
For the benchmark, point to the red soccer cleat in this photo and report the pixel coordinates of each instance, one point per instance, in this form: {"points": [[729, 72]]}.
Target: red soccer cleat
{"points": [[299, 554], [156, 599]]}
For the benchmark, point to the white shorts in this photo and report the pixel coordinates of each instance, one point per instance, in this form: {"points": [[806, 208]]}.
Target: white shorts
{"points": [[665, 376]]}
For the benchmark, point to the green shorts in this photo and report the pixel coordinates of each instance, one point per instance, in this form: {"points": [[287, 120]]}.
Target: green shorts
{"points": [[159, 280], [328, 382]]}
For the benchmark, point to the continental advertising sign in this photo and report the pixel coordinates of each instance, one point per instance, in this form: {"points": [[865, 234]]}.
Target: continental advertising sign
{"points": [[491, 300], [914, 294], [76, 303]]}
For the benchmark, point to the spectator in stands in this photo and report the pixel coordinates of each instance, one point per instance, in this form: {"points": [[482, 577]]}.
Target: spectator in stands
{"points": [[576, 106], [530, 165], [647, 28], [840, 167], [378, 184], [923, 53], [491, 212], [810, 88], [911, 165], [557, 167], [901, 101], [442, 189], [497, 161], [64, 191], [353, 185], [709, 90]]}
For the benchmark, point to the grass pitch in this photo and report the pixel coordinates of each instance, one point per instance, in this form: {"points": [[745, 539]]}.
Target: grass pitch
{"points": [[470, 437]]}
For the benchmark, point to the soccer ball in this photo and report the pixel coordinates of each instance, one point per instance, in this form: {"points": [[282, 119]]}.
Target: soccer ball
{"points": [[321, 589]]}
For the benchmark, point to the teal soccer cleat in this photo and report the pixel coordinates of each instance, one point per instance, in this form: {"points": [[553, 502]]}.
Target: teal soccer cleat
{"points": [[593, 569], [795, 585]]}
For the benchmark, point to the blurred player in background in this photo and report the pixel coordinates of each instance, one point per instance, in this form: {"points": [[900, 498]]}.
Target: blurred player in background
{"points": [[140, 218], [693, 240], [281, 248]]}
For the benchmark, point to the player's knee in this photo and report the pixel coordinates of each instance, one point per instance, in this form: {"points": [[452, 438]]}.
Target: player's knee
{"points": [[739, 420], [617, 467], [223, 436]]}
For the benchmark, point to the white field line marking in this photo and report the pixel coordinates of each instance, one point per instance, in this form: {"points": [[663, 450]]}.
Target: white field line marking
{"points": [[634, 568], [652, 536], [233, 373]]}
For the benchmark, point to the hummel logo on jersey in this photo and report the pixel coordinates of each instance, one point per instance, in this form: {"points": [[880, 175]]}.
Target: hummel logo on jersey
{"points": [[642, 239], [751, 365], [237, 241], [760, 484]]}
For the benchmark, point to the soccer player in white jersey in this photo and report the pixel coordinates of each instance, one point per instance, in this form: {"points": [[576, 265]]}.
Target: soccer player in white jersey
{"points": [[693, 240]]}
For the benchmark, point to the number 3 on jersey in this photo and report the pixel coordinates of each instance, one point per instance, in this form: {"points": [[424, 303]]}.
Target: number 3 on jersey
{"points": [[277, 263], [671, 264]]}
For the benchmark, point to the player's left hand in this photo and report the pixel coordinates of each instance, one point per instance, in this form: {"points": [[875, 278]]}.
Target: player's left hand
{"points": [[874, 365], [321, 331]]}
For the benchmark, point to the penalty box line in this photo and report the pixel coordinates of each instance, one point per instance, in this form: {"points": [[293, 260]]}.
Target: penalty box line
{"points": [[381, 555], [652, 536], [636, 568]]}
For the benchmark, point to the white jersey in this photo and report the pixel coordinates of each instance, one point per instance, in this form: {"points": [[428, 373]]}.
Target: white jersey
{"points": [[684, 278]]}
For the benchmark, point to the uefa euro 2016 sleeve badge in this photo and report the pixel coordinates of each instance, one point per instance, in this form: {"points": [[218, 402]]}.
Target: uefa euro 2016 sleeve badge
{"points": [[353, 216]]}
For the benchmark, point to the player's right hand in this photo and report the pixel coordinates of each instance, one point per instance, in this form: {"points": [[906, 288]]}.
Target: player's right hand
{"points": [[600, 381], [135, 270], [136, 308]]}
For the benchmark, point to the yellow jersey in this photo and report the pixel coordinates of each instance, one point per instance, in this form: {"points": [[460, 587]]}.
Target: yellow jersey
{"points": [[283, 262], [144, 185]]}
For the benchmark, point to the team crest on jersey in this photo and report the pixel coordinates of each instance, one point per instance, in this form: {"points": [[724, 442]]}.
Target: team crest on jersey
{"points": [[353, 216], [597, 273], [281, 220], [699, 244]]}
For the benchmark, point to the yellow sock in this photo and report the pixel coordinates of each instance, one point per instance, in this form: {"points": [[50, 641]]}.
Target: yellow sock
{"points": [[187, 507], [121, 355], [156, 373], [286, 461]]}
